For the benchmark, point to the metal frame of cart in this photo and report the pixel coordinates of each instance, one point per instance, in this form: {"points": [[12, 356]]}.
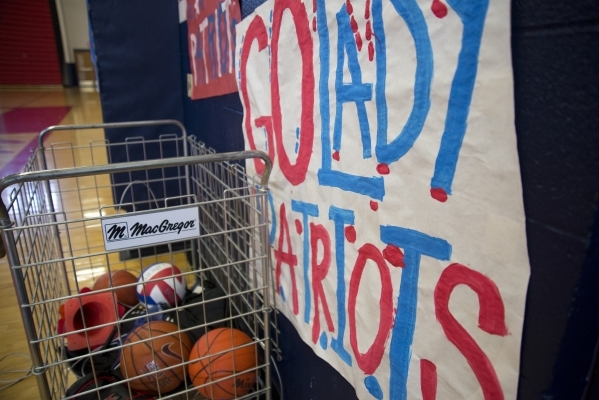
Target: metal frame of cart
{"points": [[51, 219]]}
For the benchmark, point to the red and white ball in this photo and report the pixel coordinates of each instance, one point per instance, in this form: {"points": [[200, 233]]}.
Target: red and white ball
{"points": [[161, 283]]}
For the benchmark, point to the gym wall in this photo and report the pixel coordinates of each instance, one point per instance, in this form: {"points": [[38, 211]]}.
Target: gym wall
{"points": [[143, 63]]}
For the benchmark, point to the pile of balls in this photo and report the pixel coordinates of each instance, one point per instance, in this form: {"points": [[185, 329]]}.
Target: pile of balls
{"points": [[156, 357]]}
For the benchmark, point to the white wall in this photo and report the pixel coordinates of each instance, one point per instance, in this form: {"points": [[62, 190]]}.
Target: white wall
{"points": [[72, 16]]}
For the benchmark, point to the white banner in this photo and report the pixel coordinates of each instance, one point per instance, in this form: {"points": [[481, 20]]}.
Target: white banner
{"points": [[144, 229], [397, 229]]}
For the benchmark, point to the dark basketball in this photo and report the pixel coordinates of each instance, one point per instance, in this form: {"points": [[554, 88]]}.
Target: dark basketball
{"points": [[168, 348]]}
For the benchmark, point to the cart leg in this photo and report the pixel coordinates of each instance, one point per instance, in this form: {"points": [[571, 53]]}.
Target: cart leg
{"points": [[267, 355], [26, 314], [264, 238]]}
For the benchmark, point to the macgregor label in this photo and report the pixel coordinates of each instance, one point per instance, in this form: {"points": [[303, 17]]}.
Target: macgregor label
{"points": [[146, 229]]}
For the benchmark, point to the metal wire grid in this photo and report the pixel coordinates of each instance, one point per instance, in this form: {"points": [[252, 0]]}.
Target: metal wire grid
{"points": [[231, 249], [229, 180], [81, 198], [37, 245]]}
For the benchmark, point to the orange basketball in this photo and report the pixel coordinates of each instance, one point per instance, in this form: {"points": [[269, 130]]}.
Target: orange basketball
{"points": [[170, 348], [219, 354], [126, 295]]}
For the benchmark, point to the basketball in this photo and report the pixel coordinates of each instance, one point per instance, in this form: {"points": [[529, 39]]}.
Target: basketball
{"points": [[127, 295], [168, 349], [168, 287], [218, 355]]}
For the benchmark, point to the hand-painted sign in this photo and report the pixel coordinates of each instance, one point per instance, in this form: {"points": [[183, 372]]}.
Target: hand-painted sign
{"points": [[397, 223], [211, 38]]}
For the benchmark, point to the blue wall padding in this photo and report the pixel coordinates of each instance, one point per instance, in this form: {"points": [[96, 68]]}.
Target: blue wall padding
{"points": [[143, 61], [137, 49], [305, 375], [556, 81], [248, 7]]}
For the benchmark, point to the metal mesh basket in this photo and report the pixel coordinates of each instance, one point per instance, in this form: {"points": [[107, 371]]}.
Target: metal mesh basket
{"points": [[54, 221]]}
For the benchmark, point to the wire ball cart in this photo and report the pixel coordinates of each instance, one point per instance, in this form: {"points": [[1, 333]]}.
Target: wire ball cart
{"points": [[144, 279]]}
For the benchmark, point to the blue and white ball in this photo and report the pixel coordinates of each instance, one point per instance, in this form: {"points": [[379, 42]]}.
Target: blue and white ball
{"points": [[161, 283]]}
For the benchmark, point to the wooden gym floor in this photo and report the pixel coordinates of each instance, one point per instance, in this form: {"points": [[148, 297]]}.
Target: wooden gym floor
{"points": [[23, 113]]}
